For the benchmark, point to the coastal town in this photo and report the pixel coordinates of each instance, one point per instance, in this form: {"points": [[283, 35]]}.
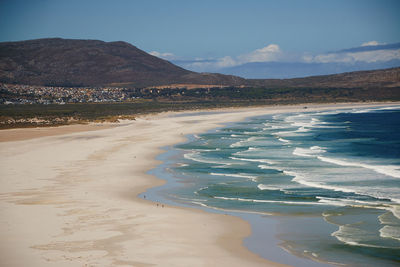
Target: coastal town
{"points": [[31, 94], [17, 94]]}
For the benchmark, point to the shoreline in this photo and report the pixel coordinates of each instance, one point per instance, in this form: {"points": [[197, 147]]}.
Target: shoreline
{"points": [[84, 185], [263, 225], [24, 133]]}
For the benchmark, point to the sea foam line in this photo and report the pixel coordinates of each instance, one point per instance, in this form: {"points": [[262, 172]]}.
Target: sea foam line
{"points": [[301, 180], [240, 143], [354, 236], [253, 160], [268, 167], [252, 178], [388, 206], [389, 231], [269, 201], [389, 170], [310, 152], [268, 187], [195, 157], [283, 140]]}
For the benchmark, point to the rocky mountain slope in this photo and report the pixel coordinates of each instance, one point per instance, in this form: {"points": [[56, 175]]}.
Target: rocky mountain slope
{"points": [[67, 62]]}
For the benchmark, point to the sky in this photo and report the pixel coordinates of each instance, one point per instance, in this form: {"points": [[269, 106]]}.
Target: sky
{"points": [[214, 34]]}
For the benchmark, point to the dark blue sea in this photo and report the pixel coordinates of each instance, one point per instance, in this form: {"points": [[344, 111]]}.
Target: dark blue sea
{"points": [[332, 178]]}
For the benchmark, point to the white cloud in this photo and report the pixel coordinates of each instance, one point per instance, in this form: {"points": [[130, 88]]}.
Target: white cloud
{"points": [[308, 58], [273, 53], [167, 56], [352, 57], [226, 62], [371, 43], [331, 57], [208, 65], [270, 52], [378, 55]]}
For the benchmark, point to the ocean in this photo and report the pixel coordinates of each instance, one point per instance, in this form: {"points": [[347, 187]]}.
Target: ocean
{"points": [[331, 180]]}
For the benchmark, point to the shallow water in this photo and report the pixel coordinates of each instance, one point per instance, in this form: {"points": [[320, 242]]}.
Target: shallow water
{"points": [[331, 178]]}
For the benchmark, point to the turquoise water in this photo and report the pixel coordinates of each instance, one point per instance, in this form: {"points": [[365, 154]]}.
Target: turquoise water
{"points": [[331, 179]]}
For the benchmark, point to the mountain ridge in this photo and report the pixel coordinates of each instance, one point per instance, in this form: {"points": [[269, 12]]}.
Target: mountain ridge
{"points": [[78, 62]]}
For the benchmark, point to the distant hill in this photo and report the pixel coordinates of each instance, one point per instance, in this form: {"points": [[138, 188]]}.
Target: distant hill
{"points": [[289, 70], [386, 78], [68, 62]]}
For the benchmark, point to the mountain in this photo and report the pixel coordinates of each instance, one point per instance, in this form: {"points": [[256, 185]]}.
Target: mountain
{"points": [[69, 62], [385, 78]]}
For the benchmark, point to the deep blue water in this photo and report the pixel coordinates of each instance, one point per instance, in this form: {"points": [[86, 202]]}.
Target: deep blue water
{"points": [[332, 178]]}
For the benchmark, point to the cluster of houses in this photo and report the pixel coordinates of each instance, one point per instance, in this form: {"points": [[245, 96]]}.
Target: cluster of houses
{"points": [[28, 94]]}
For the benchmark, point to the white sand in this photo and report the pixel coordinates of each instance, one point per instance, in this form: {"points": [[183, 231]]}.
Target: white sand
{"points": [[71, 199]]}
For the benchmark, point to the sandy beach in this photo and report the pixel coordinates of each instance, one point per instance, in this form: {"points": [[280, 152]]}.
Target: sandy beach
{"points": [[68, 196]]}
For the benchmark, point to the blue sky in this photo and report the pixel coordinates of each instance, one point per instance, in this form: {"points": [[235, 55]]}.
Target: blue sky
{"points": [[211, 30]]}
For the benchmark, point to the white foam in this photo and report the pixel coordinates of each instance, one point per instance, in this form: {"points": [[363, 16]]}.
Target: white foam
{"points": [[302, 152], [341, 202], [396, 211], [268, 201], [273, 126], [302, 129], [389, 231], [353, 236], [389, 108], [201, 204], [315, 255], [389, 170], [298, 121], [240, 143], [287, 133], [317, 148], [252, 160], [268, 187], [237, 144], [196, 157], [367, 110], [387, 218], [268, 167], [294, 118], [283, 140], [254, 133], [182, 164], [362, 111], [301, 180], [313, 151], [305, 126], [204, 150], [250, 177], [200, 189]]}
